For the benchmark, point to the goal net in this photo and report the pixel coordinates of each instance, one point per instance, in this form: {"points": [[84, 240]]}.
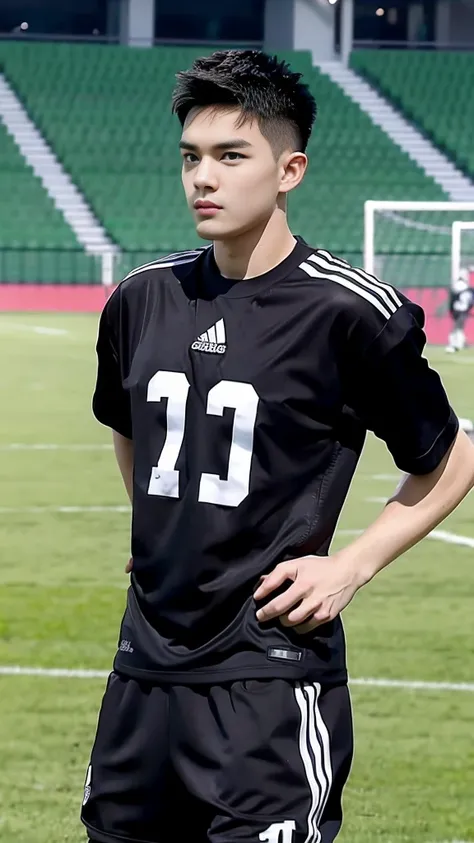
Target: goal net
{"points": [[419, 244]]}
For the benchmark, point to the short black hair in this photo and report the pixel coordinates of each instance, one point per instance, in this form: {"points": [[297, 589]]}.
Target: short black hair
{"points": [[261, 85]]}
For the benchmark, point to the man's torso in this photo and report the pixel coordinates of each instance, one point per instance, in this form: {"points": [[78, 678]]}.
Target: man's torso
{"points": [[244, 450]]}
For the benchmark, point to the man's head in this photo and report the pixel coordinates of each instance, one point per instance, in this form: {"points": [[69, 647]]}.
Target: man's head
{"points": [[246, 122]]}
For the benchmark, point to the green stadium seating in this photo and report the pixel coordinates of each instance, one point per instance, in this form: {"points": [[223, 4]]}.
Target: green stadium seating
{"points": [[36, 243], [106, 112], [352, 160], [433, 89], [28, 216]]}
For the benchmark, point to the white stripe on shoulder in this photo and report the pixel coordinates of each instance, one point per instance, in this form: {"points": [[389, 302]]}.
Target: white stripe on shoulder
{"points": [[173, 256], [349, 285], [359, 271], [328, 255], [178, 255], [349, 272], [164, 264]]}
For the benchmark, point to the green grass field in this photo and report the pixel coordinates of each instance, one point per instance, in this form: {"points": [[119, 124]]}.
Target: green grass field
{"points": [[63, 590]]}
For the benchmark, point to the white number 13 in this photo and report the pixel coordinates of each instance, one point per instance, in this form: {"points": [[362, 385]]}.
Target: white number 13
{"points": [[240, 397]]}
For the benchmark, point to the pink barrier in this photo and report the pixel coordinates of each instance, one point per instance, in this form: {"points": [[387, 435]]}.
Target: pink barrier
{"points": [[73, 298], [433, 300], [82, 298]]}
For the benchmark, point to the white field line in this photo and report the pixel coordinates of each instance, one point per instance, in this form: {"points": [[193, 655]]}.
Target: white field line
{"points": [[51, 446], [415, 685], [53, 332], [392, 478], [35, 329], [376, 499], [451, 538], [435, 535], [63, 510], [83, 673], [53, 672]]}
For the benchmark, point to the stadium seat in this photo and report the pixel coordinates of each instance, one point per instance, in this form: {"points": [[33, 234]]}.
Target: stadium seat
{"points": [[106, 112], [34, 236], [433, 89]]}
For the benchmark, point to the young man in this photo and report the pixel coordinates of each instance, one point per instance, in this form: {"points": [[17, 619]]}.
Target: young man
{"points": [[240, 381], [461, 301]]}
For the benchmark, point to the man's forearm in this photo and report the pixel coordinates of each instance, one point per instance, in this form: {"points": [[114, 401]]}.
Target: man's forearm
{"points": [[419, 504], [124, 453]]}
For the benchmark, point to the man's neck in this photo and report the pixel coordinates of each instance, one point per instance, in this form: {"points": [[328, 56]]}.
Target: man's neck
{"points": [[255, 252]]}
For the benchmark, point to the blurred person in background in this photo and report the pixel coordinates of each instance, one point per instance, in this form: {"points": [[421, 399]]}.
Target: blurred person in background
{"points": [[461, 301]]}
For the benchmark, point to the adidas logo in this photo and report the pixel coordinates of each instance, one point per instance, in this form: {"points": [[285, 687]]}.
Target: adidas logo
{"points": [[213, 341]]}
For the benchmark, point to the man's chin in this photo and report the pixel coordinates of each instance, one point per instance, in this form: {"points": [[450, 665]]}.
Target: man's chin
{"points": [[208, 229], [212, 230]]}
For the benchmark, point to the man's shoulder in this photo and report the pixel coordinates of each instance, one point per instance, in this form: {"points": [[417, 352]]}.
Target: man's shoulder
{"points": [[163, 267], [350, 286]]}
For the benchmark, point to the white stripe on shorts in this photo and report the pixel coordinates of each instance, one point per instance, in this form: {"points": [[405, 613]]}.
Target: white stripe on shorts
{"points": [[315, 754]]}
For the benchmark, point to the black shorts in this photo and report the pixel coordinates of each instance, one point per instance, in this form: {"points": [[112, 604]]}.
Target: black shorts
{"points": [[241, 762], [460, 320]]}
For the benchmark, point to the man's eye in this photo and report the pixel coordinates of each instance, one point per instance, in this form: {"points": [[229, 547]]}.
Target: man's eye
{"points": [[190, 157], [233, 156]]}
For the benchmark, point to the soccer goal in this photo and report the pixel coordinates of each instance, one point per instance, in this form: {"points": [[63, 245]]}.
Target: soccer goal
{"points": [[418, 244], [462, 248]]}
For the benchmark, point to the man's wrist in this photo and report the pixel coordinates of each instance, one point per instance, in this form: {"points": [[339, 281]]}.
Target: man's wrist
{"points": [[361, 566]]}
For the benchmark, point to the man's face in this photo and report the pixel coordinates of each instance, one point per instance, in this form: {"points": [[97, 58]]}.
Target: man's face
{"points": [[230, 175]]}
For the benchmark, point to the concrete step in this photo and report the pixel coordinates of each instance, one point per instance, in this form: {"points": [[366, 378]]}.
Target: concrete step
{"points": [[431, 159], [57, 182]]}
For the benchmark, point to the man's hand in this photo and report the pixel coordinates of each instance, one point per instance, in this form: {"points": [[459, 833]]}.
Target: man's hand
{"points": [[129, 566], [322, 587]]}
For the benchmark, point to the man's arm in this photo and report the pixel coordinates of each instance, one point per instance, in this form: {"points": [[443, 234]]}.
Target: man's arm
{"points": [[419, 504], [392, 389], [111, 400], [323, 586], [123, 448]]}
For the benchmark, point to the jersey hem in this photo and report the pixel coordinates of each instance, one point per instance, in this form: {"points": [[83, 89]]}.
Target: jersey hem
{"points": [[224, 675], [105, 837]]}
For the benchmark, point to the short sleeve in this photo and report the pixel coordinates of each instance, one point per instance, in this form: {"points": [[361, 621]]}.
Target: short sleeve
{"points": [[111, 402], [395, 393]]}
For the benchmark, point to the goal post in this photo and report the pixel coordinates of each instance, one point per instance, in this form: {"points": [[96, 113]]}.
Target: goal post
{"points": [[107, 269], [415, 243], [458, 227], [115, 265]]}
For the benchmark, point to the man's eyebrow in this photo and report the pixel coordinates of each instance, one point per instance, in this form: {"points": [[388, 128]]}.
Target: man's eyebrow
{"points": [[236, 143]]}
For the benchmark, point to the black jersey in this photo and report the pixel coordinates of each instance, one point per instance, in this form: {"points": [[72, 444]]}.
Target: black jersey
{"points": [[248, 403], [461, 301]]}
